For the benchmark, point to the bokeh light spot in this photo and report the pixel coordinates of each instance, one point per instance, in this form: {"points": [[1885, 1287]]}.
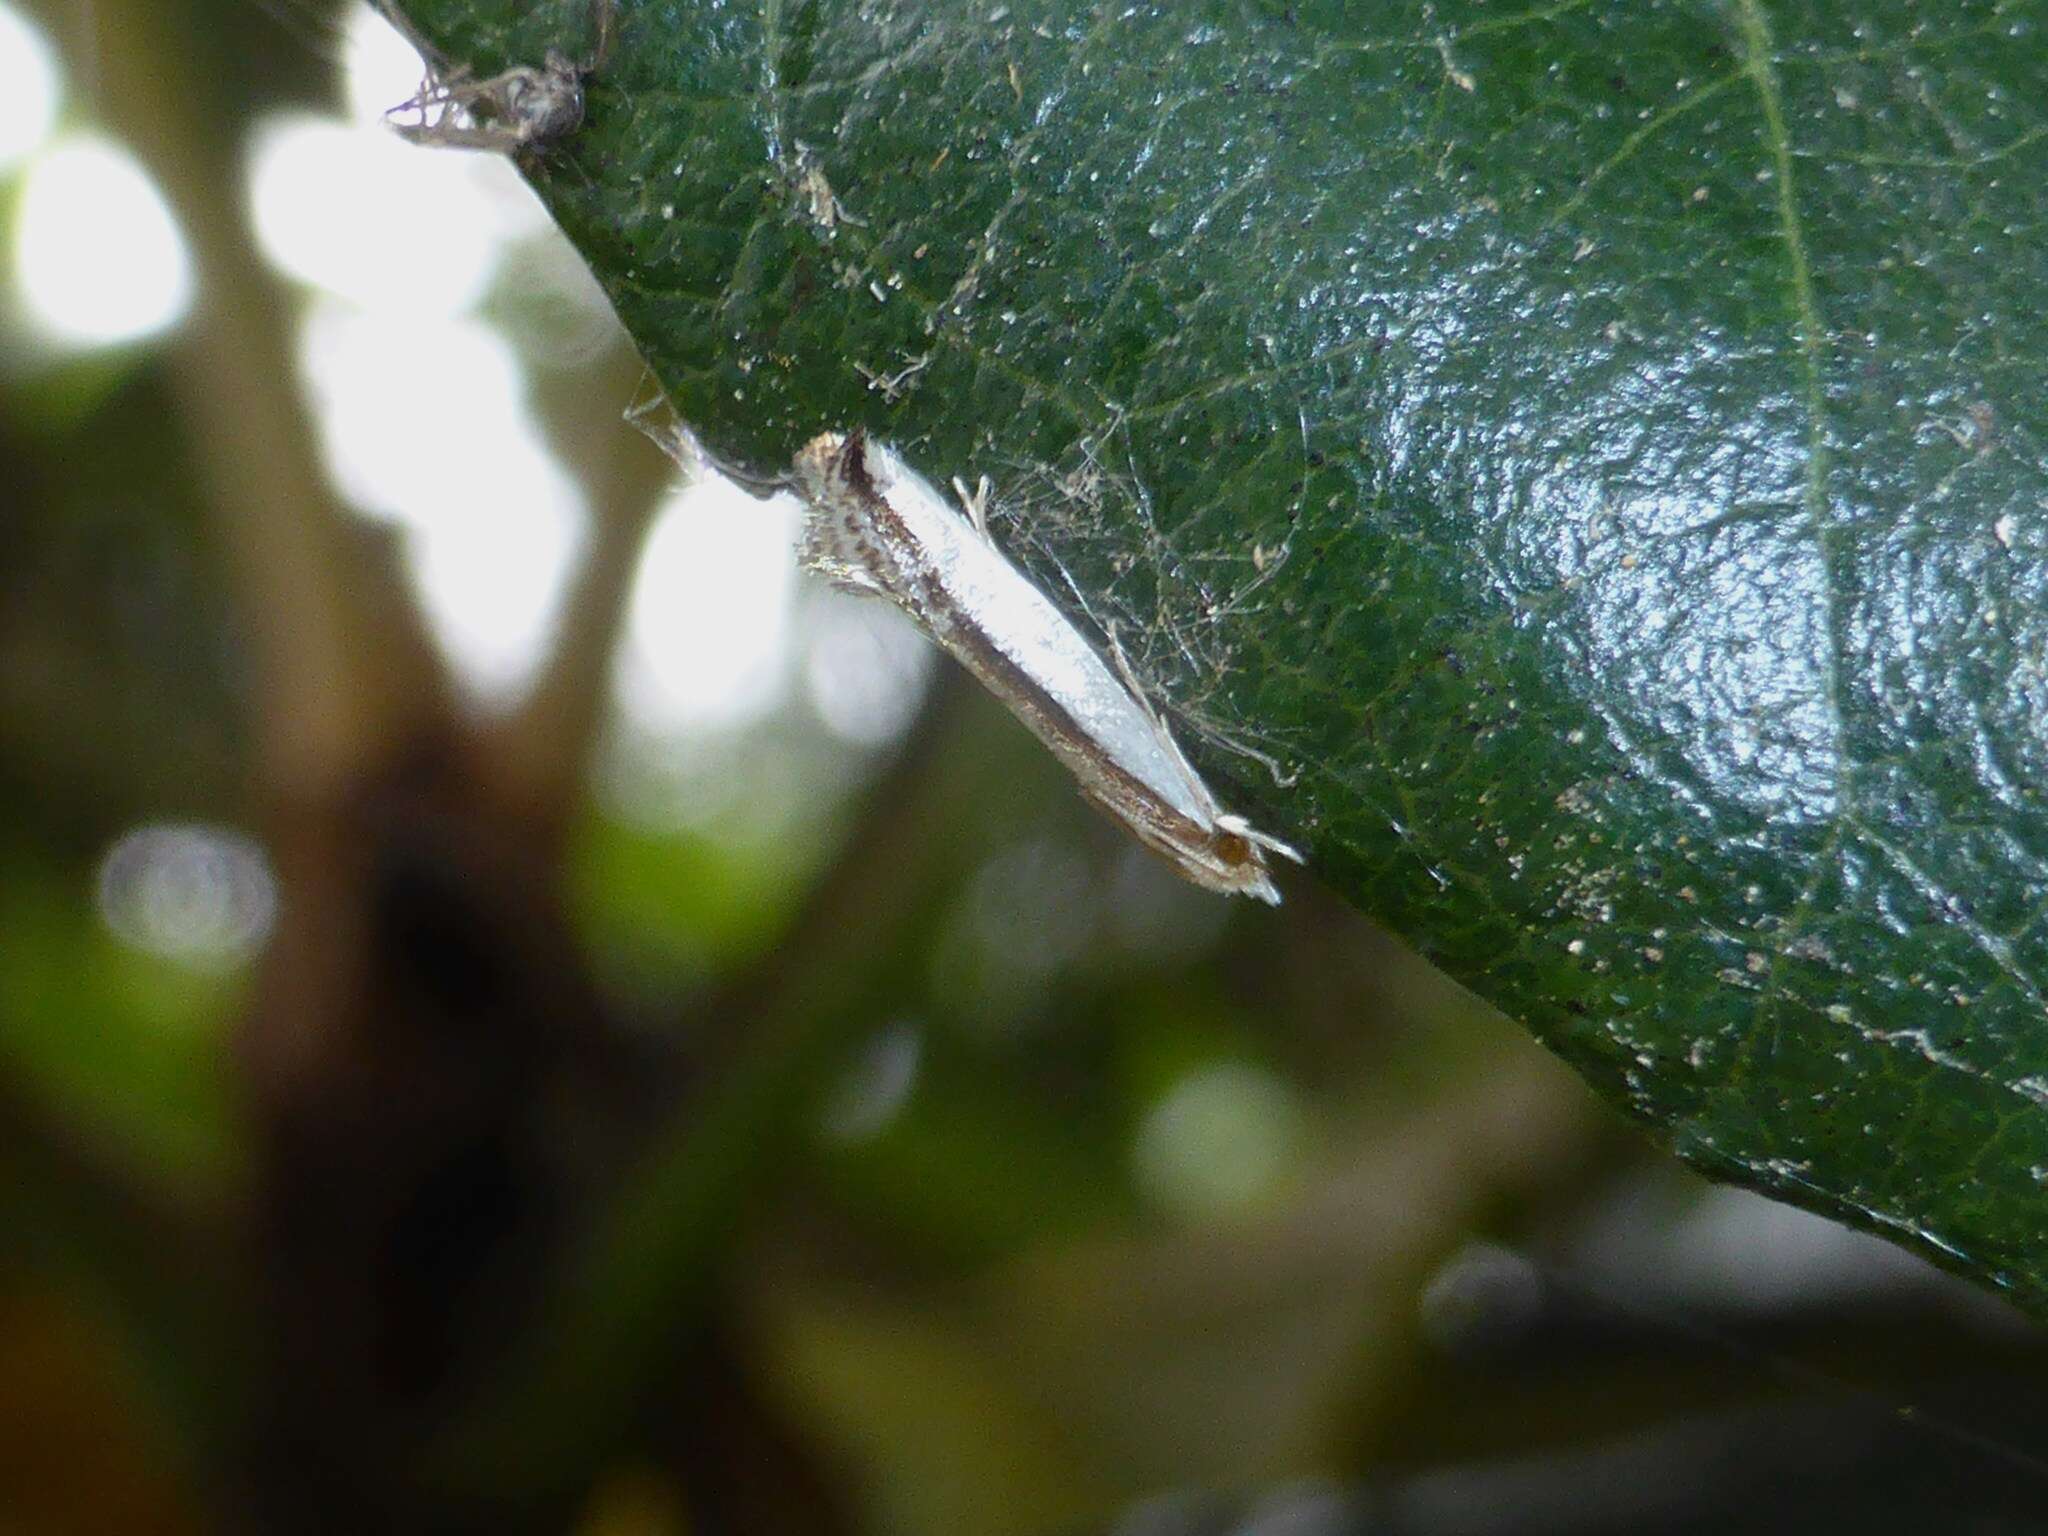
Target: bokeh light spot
{"points": [[1220, 1142], [361, 214], [99, 257], [708, 635], [379, 67], [203, 896], [34, 86], [425, 423], [876, 1086], [866, 668]]}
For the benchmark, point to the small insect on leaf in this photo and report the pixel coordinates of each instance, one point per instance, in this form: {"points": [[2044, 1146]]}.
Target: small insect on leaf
{"points": [[520, 109], [878, 527]]}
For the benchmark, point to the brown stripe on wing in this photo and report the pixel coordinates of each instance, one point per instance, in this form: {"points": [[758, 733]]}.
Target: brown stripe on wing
{"points": [[1145, 814]]}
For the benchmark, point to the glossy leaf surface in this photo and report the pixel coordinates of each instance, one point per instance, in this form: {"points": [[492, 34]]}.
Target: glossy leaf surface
{"points": [[1596, 451]]}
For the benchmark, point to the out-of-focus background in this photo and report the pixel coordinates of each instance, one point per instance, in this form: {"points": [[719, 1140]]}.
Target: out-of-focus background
{"points": [[519, 1012]]}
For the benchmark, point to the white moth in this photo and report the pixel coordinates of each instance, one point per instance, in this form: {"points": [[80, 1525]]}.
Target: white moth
{"points": [[876, 526]]}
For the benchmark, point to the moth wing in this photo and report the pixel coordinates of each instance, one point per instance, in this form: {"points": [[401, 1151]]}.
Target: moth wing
{"points": [[830, 549], [1198, 788], [848, 578]]}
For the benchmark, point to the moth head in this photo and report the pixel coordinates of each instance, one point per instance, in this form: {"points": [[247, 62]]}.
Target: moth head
{"points": [[1232, 848], [816, 456], [1255, 842], [835, 462]]}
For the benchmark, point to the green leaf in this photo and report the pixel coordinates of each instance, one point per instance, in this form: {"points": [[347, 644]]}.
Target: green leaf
{"points": [[128, 1047], [1597, 450]]}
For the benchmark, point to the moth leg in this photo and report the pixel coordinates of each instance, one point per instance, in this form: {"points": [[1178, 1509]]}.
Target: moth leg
{"points": [[1128, 676], [975, 505], [435, 136], [447, 108]]}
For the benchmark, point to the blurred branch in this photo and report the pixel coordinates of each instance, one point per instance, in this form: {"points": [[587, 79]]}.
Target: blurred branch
{"points": [[543, 750], [340, 658], [776, 1034]]}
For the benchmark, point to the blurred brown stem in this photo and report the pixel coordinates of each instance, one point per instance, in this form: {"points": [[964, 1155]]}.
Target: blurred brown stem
{"points": [[419, 1049], [340, 662], [541, 752], [773, 1035]]}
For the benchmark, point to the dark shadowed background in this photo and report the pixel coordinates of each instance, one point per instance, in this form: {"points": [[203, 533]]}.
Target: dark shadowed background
{"points": [[519, 1012]]}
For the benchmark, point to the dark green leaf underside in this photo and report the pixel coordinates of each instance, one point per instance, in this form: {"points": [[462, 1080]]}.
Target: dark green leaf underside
{"points": [[1599, 447]]}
